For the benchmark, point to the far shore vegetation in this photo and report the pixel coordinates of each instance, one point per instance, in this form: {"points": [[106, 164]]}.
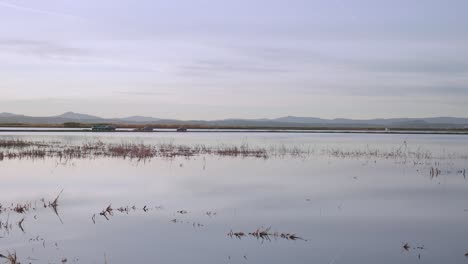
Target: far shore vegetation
{"points": [[79, 125]]}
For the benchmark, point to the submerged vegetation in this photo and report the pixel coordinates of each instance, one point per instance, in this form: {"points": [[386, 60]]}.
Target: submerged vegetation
{"points": [[23, 209], [265, 234], [262, 234], [20, 149], [24, 149], [10, 257], [18, 218]]}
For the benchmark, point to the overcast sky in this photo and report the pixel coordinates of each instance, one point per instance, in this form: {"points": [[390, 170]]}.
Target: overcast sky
{"points": [[200, 59]]}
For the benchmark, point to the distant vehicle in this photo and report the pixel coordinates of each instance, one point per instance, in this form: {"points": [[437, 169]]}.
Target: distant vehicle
{"points": [[144, 129], [181, 129], [103, 128]]}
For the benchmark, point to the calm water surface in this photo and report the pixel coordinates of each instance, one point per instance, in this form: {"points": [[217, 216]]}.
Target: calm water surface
{"points": [[347, 209]]}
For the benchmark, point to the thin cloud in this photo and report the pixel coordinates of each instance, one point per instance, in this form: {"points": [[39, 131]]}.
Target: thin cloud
{"points": [[39, 11], [230, 66], [65, 53], [380, 63], [41, 48], [142, 93]]}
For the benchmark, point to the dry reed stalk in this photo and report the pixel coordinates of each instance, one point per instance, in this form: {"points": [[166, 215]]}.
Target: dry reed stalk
{"points": [[11, 258]]}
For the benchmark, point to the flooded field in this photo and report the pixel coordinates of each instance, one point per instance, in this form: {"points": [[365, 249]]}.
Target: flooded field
{"points": [[233, 198]]}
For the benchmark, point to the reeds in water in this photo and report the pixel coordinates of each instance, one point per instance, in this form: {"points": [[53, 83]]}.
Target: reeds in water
{"points": [[18, 149], [265, 234], [11, 258]]}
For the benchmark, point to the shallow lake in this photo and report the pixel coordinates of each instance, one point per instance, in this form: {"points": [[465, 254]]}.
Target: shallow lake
{"points": [[347, 198]]}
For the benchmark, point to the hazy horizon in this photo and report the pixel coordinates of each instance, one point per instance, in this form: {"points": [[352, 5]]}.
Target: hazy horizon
{"points": [[225, 118], [240, 59]]}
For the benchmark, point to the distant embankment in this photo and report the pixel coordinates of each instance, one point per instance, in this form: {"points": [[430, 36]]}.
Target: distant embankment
{"points": [[77, 120], [231, 129], [253, 126]]}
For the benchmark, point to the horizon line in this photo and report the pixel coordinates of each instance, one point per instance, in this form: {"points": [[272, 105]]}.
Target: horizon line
{"points": [[235, 118]]}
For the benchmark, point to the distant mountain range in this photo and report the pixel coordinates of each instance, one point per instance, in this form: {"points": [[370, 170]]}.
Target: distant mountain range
{"points": [[287, 121]]}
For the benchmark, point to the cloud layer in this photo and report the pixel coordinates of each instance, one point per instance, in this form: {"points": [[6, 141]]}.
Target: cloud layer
{"points": [[219, 59]]}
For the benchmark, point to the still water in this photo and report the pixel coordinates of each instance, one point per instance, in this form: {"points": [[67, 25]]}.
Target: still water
{"points": [[346, 208]]}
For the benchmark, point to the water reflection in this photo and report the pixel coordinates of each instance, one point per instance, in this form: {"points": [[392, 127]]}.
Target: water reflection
{"points": [[182, 210]]}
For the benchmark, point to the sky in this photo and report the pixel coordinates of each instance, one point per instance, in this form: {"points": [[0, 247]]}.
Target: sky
{"points": [[202, 59]]}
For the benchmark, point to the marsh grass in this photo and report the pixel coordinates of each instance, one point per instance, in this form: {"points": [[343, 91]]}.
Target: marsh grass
{"points": [[18, 143], [406, 246], [54, 205], [6, 226], [21, 149], [41, 150], [20, 225], [262, 234], [11, 258], [23, 209], [265, 234], [109, 211]]}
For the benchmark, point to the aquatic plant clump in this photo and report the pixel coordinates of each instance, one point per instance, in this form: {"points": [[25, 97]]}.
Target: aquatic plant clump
{"points": [[265, 234], [21, 149], [36, 150]]}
